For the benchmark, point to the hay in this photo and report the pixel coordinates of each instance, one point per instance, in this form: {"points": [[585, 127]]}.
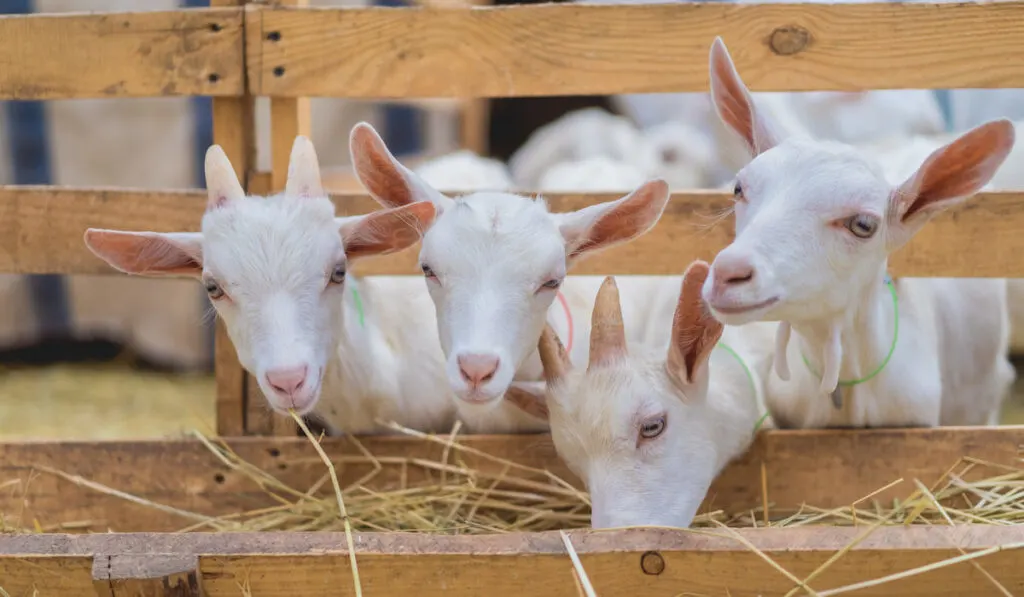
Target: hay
{"points": [[463, 500]]}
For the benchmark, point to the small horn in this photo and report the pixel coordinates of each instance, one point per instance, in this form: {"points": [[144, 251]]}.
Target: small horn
{"points": [[553, 356], [607, 334]]}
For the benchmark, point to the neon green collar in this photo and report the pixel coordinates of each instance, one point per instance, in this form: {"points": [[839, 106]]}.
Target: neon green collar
{"points": [[892, 349], [750, 378], [359, 307]]}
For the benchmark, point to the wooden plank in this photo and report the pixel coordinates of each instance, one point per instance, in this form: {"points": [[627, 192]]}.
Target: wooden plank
{"points": [[42, 574], [234, 127], [824, 468], [125, 54], [569, 49], [655, 562], [41, 232]]}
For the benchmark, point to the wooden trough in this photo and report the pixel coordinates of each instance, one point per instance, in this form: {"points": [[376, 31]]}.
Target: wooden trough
{"points": [[236, 51]]}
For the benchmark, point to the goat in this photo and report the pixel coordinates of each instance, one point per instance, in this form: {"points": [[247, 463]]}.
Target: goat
{"points": [[494, 264], [815, 223], [275, 270], [649, 432]]}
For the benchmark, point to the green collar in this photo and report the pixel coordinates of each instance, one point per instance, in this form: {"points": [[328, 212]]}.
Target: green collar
{"points": [[892, 349], [750, 378], [359, 307]]}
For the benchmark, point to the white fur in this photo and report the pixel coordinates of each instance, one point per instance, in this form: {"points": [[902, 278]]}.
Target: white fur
{"points": [[949, 366], [273, 257], [595, 174], [596, 413], [465, 171], [488, 256]]}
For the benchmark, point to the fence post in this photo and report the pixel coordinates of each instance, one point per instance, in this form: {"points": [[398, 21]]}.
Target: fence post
{"points": [[234, 131]]}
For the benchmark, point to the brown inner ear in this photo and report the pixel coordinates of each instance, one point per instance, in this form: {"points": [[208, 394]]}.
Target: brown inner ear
{"points": [[379, 174], [621, 223], [949, 174], [694, 330], [385, 232]]}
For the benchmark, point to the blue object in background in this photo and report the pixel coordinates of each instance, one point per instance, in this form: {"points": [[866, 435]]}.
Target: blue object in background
{"points": [[402, 124], [30, 157], [202, 138]]}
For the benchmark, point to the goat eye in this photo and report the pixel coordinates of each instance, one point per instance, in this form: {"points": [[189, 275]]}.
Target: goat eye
{"points": [[338, 275], [552, 284], [862, 225], [652, 428], [429, 273], [213, 289], [737, 191]]}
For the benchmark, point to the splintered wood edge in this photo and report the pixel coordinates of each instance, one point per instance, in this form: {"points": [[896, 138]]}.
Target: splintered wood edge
{"points": [[586, 541]]}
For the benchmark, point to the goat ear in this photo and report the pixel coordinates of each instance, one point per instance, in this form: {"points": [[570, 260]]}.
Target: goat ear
{"points": [[694, 331], [613, 222], [950, 175], [385, 231], [607, 333], [149, 253], [304, 170], [530, 400], [389, 182], [222, 185], [734, 104]]}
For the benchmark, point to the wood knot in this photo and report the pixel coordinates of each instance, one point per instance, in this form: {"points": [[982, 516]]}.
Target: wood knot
{"points": [[652, 563], [788, 40]]}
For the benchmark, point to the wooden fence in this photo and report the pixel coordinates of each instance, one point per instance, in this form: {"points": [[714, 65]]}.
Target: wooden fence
{"points": [[236, 51]]}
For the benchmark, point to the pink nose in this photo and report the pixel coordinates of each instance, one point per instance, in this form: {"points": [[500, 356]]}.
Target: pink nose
{"points": [[731, 271], [477, 368], [288, 380]]}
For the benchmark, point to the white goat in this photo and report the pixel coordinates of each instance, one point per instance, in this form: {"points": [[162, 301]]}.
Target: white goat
{"points": [[595, 174], [815, 223], [465, 171], [494, 264], [581, 134], [649, 432], [275, 270]]}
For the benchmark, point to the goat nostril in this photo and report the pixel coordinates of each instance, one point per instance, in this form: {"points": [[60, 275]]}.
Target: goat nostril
{"points": [[740, 278], [477, 368]]}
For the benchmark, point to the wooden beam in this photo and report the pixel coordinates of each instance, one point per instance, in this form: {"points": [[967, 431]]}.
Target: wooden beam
{"points": [[619, 563], [234, 130], [41, 232], [824, 468], [122, 54], [569, 49]]}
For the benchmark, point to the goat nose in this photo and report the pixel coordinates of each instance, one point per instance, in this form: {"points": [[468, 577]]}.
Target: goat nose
{"points": [[287, 380], [478, 368], [733, 272]]}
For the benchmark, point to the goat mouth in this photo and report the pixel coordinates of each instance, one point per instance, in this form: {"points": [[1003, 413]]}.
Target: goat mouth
{"points": [[479, 399], [741, 309]]}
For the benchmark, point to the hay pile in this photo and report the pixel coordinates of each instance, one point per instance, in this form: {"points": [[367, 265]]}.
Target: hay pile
{"points": [[455, 498]]}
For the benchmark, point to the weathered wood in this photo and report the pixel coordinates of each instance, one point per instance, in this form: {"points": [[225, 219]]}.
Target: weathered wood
{"points": [[130, 54], [619, 563], [568, 49], [827, 468], [150, 575], [41, 232], [234, 130], [45, 575]]}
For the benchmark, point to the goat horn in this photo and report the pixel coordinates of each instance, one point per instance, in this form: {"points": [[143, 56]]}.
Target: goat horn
{"points": [[553, 356], [607, 334]]}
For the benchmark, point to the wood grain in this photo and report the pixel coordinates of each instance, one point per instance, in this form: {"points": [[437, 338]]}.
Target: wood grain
{"points": [[41, 232], [140, 54], [393, 564], [234, 130], [826, 468], [567, 49]]}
